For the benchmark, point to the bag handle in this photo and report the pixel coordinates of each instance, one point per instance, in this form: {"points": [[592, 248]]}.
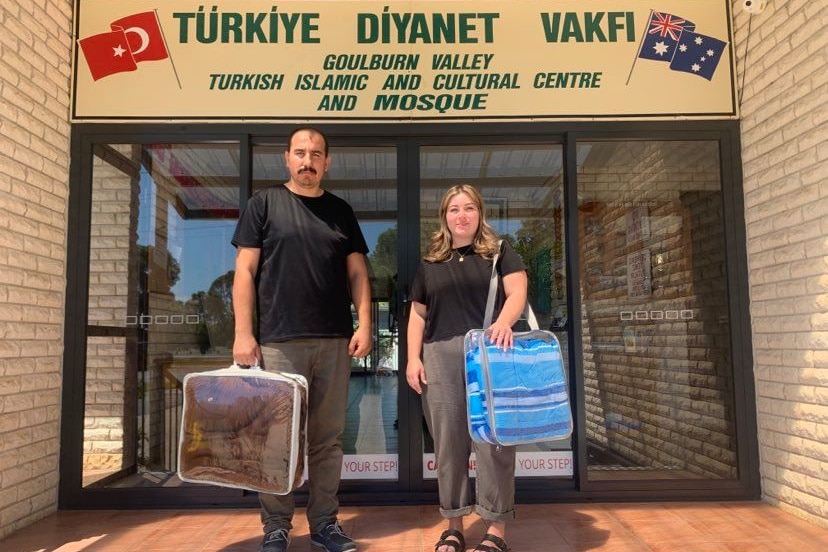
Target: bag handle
{"points": [[528, 313], [237, 366]]}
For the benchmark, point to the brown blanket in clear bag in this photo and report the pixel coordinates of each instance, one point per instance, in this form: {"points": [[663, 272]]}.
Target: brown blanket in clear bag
{"points": [[238, 431]]}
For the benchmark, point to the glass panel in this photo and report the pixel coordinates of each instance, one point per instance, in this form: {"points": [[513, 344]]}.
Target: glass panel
{"points": [[367, 179], [160, 272], [657, 360], [523, 190]]}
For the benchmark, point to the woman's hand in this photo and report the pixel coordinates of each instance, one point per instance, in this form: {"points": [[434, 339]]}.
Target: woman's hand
{"points": [[415, 375], [501, 335], [516, 286]]}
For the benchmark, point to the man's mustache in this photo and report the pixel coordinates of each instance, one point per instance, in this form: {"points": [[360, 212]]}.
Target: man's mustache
{"points": [[307, 169]]}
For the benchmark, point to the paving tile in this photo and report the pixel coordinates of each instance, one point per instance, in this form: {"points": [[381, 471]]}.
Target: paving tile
{"points": [[598, 532], [686, 547], [678, 530], [638, 527]]}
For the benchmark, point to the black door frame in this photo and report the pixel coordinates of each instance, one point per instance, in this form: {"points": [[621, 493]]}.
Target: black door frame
{"points": [[408, 138]]}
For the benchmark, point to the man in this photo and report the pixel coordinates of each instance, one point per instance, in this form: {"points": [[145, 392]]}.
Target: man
{"points": [[305, 249]]}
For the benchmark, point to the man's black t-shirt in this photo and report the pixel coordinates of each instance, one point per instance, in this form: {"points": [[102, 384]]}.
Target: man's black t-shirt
{"points": [[455, 292], [302, 280]]}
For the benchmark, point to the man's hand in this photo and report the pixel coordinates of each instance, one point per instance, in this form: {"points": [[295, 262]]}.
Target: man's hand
{"points": [[246, 351], [361, 343]]}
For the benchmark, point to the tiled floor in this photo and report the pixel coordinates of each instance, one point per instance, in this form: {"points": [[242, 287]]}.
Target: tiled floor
{"points": [[650, 527]]}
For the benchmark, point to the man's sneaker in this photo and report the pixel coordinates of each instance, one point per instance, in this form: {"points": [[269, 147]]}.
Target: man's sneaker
{"points": [[275, 541], [333, 539]]}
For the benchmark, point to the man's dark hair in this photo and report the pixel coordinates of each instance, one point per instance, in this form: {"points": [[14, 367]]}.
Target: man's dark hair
{"points": [[312, 130]]}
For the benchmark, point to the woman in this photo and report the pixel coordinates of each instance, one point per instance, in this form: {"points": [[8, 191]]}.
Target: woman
{"points": [[448, 298]]}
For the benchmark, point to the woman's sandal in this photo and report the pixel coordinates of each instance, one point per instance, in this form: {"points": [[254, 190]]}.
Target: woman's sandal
{"points": [[458, 545], [499, 544]]}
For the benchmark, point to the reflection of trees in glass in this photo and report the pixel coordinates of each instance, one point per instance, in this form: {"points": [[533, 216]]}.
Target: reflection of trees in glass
{"points": [[150, 271], [216, 324], [383, 264], [427, 228], [539, 244]]}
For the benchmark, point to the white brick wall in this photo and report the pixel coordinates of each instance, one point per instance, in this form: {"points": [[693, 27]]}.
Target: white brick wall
{"points": [[35, 47], [782, 55]]}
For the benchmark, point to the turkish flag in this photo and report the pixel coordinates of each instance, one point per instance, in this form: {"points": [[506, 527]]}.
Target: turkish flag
{"points": [[107, 53], [144, 34]]}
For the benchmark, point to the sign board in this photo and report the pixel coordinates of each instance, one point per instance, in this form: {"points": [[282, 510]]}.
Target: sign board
{"points": [[549, 463], [552, 463], [426, 60], [370, 466]]}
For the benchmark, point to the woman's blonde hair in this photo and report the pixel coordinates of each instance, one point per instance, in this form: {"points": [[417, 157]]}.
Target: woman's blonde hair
{"points": [[485, 239]]}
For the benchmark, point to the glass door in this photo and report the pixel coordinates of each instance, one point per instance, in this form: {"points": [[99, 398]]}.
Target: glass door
{"points": [[523, 190], [658, 363], [160, 272]]}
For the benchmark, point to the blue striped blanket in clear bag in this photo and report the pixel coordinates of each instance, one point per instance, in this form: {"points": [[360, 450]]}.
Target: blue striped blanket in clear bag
{"points": [[520, 395]]}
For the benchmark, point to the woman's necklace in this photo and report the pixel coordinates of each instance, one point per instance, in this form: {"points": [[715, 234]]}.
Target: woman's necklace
{"points": [[463, 251]]}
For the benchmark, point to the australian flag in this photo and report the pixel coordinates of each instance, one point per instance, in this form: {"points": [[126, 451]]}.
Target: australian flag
{"points": [[663, 34], [698, 54]]}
